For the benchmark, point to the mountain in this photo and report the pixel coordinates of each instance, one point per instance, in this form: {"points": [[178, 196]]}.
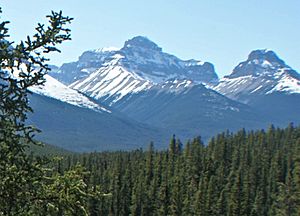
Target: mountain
{"points": [[156, 91], [159, 89], [88, 62], [84, 130], [54, 89], [261, 74], [110, 74], [70, 120], [266, 82], [142, 82], [188, 109]]}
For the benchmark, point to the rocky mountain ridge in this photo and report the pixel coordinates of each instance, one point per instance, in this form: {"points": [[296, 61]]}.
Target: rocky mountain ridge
{"points": [[147, 86], [262, 73]]}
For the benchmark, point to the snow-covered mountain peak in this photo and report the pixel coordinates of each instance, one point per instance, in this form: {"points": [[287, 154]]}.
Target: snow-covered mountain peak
{"points": [[261, 74], [111, 83], [54, 89], [259, 63], [147, 59], [109, 75], [142, 57]]}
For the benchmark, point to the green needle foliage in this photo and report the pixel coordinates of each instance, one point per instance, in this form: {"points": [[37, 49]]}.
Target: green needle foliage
{"points": [[27, 187]]}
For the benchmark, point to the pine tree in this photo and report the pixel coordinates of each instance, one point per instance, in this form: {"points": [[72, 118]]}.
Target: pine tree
{"points": [[200, 203], [296, 177], [221, 206], [287, 201], [176, 192], [236, 196], [149, 164]]}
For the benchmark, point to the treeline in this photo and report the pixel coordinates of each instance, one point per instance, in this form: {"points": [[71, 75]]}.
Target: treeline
{"points": [[246, 173]]}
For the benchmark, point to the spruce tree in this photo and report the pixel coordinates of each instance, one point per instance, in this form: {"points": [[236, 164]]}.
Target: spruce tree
{"points": [[27, 185], [23, 65]]}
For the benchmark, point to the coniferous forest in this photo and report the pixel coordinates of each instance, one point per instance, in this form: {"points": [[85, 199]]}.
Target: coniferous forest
{"points": [[245, 173]]}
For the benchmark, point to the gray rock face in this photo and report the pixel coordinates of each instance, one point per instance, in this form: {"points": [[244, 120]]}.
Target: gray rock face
{"points": [[261, 74], [266, 83], [143, 85], [88, 62], [147, 59], [140, 56], [258, 63], [141, 42]]}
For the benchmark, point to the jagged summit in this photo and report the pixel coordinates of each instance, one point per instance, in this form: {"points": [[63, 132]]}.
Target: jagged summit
{"points": [[141, 42], [111, 74], [265, 54], [262, 73], [150, 86], [259, 62]]}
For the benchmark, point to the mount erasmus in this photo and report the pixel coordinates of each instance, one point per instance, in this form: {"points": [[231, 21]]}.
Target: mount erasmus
{"points": [[124, 98]]}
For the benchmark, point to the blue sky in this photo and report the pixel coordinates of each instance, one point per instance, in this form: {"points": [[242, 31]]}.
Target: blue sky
{"points": [[222, 32]]}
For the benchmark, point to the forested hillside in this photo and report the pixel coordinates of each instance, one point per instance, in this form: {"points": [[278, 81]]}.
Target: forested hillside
{"points": [[246, 173]]}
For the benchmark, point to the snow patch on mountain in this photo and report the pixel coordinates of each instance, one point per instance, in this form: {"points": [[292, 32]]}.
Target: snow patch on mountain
{"points": [[138, 65], [141, 57], [286, 83], [262, 73], [105, 49], [112, 82], [176, 85], [54, 89]]}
